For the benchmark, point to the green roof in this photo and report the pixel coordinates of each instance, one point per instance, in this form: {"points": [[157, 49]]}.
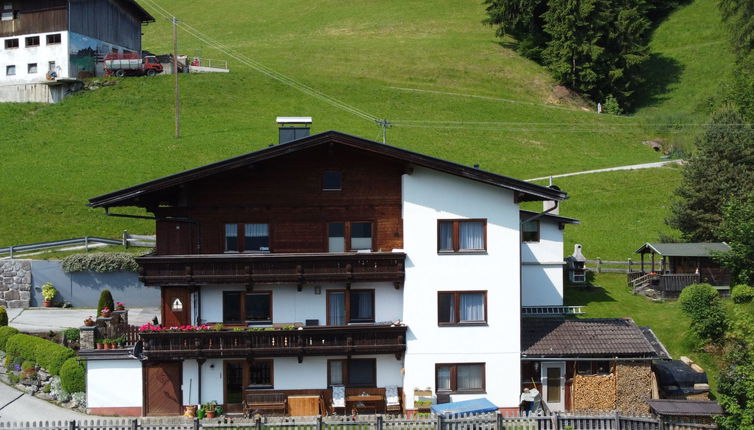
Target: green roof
{"points": [[700, 249]]}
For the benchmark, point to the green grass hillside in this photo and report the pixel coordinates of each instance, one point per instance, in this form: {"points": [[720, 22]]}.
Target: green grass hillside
{"points": [[375, 56]]}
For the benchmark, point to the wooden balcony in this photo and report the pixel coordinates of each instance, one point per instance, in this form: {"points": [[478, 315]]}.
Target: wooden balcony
{"points": [[311, 341], [251, 269]]}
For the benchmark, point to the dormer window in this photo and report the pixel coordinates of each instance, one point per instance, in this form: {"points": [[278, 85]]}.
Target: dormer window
{"points": [[331, 181]]}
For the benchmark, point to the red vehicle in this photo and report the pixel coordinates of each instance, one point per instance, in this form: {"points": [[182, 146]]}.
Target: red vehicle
{"points": [[131, 65]]}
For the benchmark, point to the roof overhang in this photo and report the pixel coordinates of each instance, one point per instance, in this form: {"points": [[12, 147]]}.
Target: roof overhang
{"points": [[139, 11], [523, 191]]}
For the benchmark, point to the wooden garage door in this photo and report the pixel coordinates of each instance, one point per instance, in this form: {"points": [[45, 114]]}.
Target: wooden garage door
{"points": [[163, 391]]}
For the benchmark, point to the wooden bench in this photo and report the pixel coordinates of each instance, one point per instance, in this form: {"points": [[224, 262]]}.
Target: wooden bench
{"points": [[266, 402]]}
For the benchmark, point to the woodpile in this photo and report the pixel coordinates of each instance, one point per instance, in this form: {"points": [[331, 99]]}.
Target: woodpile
{"points": [[594, 392], [633, 386]]}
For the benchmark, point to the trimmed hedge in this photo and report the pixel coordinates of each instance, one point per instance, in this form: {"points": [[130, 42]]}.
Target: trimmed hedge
{"points": [[105, 299], [100, 262], [73, 375], [5, 333], [47, 354], [742, 294], [3, 316]]}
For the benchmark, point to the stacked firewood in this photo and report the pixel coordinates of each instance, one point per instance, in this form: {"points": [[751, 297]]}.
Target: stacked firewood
{"points": [[634, 386], [594, 392]]}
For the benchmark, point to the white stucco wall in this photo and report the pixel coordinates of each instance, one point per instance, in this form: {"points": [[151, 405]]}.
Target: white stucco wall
{"points": [[212, 381], [113, 383], [22, 56], [542, 266], [190, 383], [290, 305], [427, 197]]}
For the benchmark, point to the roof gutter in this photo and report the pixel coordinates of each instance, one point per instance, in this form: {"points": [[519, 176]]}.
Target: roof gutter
{"points": [[548, 358], [541, 214], [187, 220]]}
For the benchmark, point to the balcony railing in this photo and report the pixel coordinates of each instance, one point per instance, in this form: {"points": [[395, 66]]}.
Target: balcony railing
{"points": [[250, 269], [359, 339]]}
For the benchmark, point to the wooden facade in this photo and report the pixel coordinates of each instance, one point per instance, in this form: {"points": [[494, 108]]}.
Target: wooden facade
{"points": [[35, 16], [113, 21], [287, 194]]}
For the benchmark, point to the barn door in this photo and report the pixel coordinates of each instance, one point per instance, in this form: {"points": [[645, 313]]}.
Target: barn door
{"points": [[163, 389], [176, 306]]}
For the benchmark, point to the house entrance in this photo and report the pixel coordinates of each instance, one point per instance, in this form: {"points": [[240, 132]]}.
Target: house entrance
{"points": [[553, 385], [234, 385], [163, 388]]}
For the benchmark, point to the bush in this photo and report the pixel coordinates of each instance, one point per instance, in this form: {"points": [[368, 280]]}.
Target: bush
{"points": [[27, 365], [73, 376], [71, 334], [702, 304], [46, 354], [742, 294], [3, 316], [105, 299], [100, 262], [5, 333]]}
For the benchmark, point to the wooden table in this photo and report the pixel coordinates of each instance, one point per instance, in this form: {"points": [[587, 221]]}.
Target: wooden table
{"points": [[371, 402]]}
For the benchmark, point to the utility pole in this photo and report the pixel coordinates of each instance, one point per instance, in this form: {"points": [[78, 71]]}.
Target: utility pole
{"points": [[384, 124], [175, 73]]}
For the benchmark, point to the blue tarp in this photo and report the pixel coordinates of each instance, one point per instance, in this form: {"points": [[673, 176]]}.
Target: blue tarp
{"points": [[476, 406]]}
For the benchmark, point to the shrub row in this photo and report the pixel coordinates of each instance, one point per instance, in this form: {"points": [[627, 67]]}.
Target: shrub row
{"points": [[47, 354], [100, 262]]}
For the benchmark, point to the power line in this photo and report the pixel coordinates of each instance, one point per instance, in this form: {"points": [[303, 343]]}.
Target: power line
{"points": [[261, 68]]}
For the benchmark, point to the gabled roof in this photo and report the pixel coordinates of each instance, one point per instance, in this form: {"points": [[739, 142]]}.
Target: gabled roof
{"points": [[584, 338], [526, 190], [699, 249], [554, 218]]}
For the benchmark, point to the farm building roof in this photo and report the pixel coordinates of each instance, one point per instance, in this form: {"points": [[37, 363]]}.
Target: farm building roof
{"points": [[137, 195], [587, 338], [687, 408], [699, 249]]}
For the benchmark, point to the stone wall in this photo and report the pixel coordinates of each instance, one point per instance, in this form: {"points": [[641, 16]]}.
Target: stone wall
{"points": [[15, 283]]}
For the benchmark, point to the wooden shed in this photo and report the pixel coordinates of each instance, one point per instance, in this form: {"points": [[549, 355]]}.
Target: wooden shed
{"points": [[670, 267]]}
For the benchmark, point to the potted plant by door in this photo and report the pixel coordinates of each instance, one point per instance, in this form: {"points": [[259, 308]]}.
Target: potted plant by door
{"points": [[209, 409], [200, 413], [48, 293], [99, 344]]}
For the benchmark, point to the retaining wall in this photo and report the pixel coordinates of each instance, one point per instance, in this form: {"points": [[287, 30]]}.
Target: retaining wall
{"points": [[82, 289], [15, 283]]}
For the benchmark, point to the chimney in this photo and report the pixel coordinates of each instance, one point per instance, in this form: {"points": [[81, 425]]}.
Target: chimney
{"points": [[577, 255], [293, 128], [547, 204]]}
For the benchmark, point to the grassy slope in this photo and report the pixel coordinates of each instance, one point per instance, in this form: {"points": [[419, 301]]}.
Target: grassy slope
{"points": [[55, 157]]}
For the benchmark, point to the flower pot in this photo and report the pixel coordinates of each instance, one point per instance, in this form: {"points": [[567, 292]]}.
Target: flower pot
{"points": [[113, 346], [200, 413], [120, 308], [47, 303], [89, 323], [100, 346], [210, 413], [105, 314], [190, 411]]}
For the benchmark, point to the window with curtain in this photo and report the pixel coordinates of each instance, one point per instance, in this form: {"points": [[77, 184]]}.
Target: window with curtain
{"points": [[461, 307], [361, 235], [362, 306], [467, 236], [336, 237], [336, 308], [231, 237], [460, 377], [335, 372], [256, 238]]}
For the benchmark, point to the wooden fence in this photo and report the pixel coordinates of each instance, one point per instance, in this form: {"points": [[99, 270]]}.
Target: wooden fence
{"points": [[490, 421]]}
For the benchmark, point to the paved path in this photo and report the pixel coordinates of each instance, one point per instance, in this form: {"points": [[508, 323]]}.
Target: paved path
{"points": [[28, 408], [45, 319], [612, 169]]}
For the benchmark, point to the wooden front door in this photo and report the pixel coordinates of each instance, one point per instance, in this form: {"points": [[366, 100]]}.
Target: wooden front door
{"points": [[163, 389], [176, 306]]}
